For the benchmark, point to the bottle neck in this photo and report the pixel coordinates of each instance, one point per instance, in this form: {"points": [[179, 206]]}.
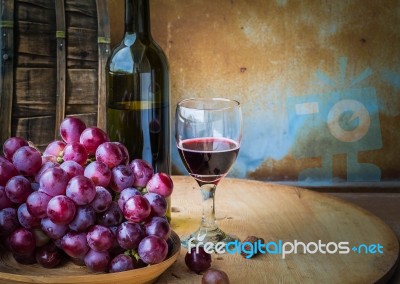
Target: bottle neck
{"points": [[137, 17]]}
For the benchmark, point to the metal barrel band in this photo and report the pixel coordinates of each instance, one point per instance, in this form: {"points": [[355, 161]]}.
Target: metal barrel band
{"points": [[60, 34], [102, 39], [6, 24]]}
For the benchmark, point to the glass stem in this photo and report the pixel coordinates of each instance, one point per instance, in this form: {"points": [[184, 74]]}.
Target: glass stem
{"points": [[208, 218]]}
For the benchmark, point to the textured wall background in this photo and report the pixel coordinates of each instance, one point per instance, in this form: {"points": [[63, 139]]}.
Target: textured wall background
{"points": [[319, 80]]}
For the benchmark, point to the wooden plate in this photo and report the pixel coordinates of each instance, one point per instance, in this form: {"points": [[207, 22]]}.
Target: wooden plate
{"points": [[12, 272]]}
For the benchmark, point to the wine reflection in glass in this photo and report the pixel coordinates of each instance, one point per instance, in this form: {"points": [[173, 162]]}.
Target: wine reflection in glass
{"points": [[208, 134]]}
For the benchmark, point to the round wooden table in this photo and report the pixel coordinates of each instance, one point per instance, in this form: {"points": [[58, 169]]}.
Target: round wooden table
{"points": [[277, 212]]}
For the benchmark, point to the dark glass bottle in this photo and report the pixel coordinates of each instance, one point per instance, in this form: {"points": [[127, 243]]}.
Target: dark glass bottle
{"points": [[138, 92]]}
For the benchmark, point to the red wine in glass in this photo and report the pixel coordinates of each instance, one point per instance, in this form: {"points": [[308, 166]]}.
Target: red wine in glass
{"points": [[208, 159], [208, 133]]}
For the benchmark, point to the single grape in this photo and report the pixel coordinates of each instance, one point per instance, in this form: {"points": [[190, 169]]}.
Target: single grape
{"points": [[4, 200], [99, 238], [81, 190], [72, 169], [153, 249], [125, 195], [26, 219], [85, 217], [75, 152], [55, 148], [158, 204], [27, 160], [158, 226], [91, 138], [49, 255], [11, 145], [18, 189], [37, 203], [8, 221], [123, 262], [122, 177], [53, 230], [198, 261], [120, 263], [129, 235], [160, 183], [102, 200], [53, 181], [22, 241], [61, 209], [7, 171], [124, 152], [75, 245], [97, 261], [45, 166], [99, 173], [136, 209], [71, 129], [109, 153], [215, 276], [142, 172], [111, 217]]}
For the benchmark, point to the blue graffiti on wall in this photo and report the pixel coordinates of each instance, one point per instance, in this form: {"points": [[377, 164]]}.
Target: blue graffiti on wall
{"points": [[343, 121]]}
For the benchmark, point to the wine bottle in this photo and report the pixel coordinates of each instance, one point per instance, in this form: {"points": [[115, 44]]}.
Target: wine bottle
{"points": [[138, 92]]}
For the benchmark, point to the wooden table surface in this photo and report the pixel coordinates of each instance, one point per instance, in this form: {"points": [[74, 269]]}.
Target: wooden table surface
{"points": [[284, 212]]}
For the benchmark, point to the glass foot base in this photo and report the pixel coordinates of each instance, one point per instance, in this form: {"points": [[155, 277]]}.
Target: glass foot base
{"points": [[202, 236]]}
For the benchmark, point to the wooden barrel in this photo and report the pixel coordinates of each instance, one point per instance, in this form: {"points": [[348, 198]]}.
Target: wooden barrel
{"points": [[53, 55]]}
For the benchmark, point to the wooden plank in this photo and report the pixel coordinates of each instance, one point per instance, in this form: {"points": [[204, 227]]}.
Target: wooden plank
{"points": [[104, 42], [42, 35], [81, 20], [35, 85], [39, 130], [61, 64], [6, 67], [38, 3], [82, 47], [81, 86], [35, 90], [34, 12], [33, 110], [87, 8], [81, 110]]}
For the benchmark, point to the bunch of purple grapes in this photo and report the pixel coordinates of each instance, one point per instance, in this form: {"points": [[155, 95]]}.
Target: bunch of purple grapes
{"points": [[84, 199]]}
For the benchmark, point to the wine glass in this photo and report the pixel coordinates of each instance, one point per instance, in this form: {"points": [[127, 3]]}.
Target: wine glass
{"points": [[208, 134]]}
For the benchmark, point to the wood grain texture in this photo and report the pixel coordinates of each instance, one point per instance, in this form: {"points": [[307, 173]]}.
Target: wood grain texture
{"points": [[277, 212], [54, 68], [385, 206]]}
